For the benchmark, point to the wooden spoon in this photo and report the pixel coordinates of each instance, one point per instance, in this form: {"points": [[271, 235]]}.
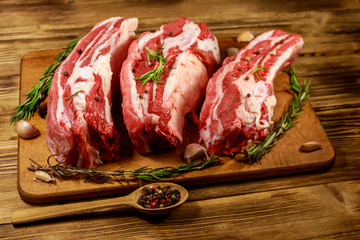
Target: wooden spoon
{"points": [[48, 212]]}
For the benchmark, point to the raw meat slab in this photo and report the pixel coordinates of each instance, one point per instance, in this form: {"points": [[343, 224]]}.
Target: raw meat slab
{"points": [[284, 158]]}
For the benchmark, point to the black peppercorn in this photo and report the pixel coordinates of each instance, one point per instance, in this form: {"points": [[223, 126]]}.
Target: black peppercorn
{"points": [[281, 41], [79, 51], [170, 34], [97, 99], [66, 74], [248, 95], [240, 69], [257, 52], [247, 78], [158, 197], [145, 91], [133, 70]]}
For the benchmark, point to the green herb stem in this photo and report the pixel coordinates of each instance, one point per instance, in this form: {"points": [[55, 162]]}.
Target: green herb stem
{"points": [[154, 74], [103, 176], [257, 150], [39, 92], [258, 69], [67, 98]]}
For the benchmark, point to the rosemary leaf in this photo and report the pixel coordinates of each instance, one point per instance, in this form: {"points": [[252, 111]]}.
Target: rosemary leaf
{"points": [[154, 74], [104, 176], [278, 130], [258, 69], [67, 98], [39, 92]]}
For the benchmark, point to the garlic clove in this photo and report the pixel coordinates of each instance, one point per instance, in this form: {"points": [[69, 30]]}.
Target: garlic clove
{"points": [[26, 130], [231, 51], [310, 146], [42, 176], [193, 151], [245, 36], [239, 156]]}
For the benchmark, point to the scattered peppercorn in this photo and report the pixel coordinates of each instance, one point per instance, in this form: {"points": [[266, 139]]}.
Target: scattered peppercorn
{"points": [[141, 96], [247, 78], [248, 95], [257, 52], [158, 197], [133, 70], [281, 41], [66, 74], [79, 51], [240, 69], [170, 34], [145, 91], [97, 99]]}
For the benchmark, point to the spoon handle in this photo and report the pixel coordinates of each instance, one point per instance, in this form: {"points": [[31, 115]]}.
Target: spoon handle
{"points": [[55, 211]]}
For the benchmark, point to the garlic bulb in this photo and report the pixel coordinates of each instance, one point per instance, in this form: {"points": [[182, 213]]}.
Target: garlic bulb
{"points": [[26, 130], [193, 151]]}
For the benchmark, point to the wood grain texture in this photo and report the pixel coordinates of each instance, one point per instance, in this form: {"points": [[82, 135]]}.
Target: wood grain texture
{"points": [[285, 157], [330, 58], [319, 211]]}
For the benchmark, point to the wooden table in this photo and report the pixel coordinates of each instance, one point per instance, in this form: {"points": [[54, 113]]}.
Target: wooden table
{"points": [[323, 204]]}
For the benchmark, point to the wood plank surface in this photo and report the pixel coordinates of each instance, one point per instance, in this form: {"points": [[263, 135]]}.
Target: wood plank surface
{"points": [[321, 205], [320, 211]]}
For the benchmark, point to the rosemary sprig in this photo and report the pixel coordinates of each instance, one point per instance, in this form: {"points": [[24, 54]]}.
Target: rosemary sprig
{"points": [[256, 151], [104, 176], [155, 73], [258, 69], [27, 109], [67, 98]]}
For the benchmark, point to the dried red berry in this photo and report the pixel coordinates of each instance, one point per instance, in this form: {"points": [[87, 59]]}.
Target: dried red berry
{"points": [[159, 196]]}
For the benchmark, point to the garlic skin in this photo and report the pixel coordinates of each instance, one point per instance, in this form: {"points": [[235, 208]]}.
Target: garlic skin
{"points": [[231, 51], [310, 146], [245, 36], [193, 151], [42, 176], [26, 130], [239, 156]]}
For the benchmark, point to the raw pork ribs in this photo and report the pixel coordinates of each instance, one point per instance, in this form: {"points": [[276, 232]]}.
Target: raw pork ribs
{"points": [[240, 99], [79, 122], [154, 114]]}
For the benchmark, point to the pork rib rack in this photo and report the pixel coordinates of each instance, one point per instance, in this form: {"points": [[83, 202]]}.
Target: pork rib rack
{"points": [[154, 113], [79, 122], [240, 98]]}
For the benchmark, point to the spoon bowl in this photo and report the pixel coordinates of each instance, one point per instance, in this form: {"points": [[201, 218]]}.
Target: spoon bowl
{"points": [[64, 210], [184, 194]]}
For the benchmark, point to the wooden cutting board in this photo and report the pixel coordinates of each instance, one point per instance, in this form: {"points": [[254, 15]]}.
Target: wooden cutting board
{"points": [[284, 158]]}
